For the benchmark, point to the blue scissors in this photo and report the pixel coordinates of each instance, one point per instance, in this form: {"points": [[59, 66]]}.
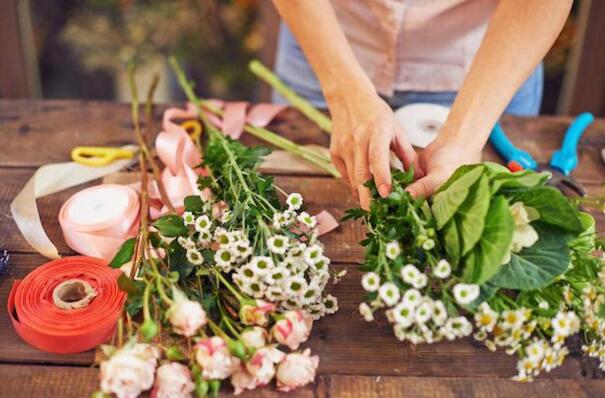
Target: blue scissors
{"points": [[562, 162]]}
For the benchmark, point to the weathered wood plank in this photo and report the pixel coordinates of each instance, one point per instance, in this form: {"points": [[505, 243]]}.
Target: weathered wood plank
{"points": [[26, 123], [448, 387], [78, 382], [345, 343]]}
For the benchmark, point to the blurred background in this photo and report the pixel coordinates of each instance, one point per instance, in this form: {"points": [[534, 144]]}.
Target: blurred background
{"points": [[77, 49]]}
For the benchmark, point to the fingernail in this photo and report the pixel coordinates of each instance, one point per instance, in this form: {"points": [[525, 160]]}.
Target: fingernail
{"points": [[383, 190]]}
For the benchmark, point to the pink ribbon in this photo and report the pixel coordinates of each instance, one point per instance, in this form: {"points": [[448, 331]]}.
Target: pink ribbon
{"points": [[236, 115], [325, 222], [96, 221]]}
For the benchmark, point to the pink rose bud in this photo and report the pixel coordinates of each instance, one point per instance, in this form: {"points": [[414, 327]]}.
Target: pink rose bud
{"points": [[262, 364], [173, 380], [293, 329], [296, 370], [215, 359], [129, 371], [186, 317], [254, 337], [242, 380], [256, 314]]}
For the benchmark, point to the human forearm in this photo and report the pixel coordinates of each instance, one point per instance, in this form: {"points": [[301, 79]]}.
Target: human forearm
{"points": [[519, 35]]}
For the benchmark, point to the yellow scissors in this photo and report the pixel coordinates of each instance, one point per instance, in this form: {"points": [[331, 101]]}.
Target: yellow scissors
{"points": [[99, 155], [193, 128]]}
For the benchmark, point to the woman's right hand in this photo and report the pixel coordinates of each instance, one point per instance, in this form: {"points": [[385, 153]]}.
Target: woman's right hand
{"points": [[364, 131]]}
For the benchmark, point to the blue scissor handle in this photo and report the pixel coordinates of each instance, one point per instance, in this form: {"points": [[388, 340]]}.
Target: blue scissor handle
{"points": [[566, 158], [509, 151]]}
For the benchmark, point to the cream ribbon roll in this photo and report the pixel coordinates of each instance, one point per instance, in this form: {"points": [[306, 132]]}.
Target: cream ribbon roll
{"points": [[421, 122], [97, 220]]}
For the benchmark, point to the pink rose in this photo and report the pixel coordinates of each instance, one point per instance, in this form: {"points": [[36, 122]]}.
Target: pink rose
{"points": [[186, 317], [254, 337], [262, 364], [293, 329], [296, 370], [213, 355], [256, 314], [173, 380], [242, 380], [129, 371]]}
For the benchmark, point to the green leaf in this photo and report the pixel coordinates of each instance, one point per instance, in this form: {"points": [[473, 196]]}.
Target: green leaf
{"points": [[171, 226], [155, 239], [124, 254], [517, 180], [495, 168], [470, 217], [177, 257], [128, 285], [585, 242], [553, 206], [485, 260], [451, 239], [537, 266], [194, 204], [447, 202]]}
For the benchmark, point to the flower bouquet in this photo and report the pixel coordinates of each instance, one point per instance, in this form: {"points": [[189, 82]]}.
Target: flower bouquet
{"points": [[497, 255], [227, 290]]}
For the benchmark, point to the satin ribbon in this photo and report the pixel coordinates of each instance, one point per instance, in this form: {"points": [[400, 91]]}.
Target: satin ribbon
{"points": [[97, 220], [43, 325], [47, 180]]}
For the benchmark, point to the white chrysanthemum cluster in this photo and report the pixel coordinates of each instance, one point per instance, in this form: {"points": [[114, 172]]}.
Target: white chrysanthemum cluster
{"points": [[592, 303], [278, 266], [513, 330]]}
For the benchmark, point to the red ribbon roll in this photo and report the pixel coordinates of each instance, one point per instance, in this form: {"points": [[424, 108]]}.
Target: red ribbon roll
{"points": [[97, 220], [42, 324]]}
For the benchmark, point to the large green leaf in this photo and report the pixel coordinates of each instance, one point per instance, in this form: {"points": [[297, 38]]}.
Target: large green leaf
{"points": [[519, 179], [485, 260], [470, 217], [451, 240], [585, 242], [553, 206], [177, 257], [447, 202], [536, 266], [124, 254], [171, 226]]}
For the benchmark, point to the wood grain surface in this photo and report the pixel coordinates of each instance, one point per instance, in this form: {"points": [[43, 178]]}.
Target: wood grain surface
{"points": [[357, 359]]}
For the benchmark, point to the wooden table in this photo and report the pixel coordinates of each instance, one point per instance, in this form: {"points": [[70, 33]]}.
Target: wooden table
{"points": [[357, 359]]}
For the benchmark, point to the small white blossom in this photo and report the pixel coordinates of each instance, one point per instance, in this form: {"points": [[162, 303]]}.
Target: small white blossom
{"points": [[443, 269], [409, 274], [224, 257], [313, 253], [195, 257], [366, 312], [421, 281], [330, 304], [370, 282], [412, 298], [403, 315], [294, 201], [186, 243], [278, 244], [466, 293], [389, 293], [296, 286], [393, 250], [203, 223], [188, 218], [535, 351], [262, 264], [306, 219], [424, 312], [439, 313]]}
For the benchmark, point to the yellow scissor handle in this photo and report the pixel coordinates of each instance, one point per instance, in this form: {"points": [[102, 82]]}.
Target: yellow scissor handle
{"points": [[99, 155], [193, 128]]}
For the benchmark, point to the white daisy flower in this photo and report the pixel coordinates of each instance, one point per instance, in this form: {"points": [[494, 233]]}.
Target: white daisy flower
{"points": [[205, 238], [466, 293], [278, 244], [294, 201], [203, 223], [486, 318], [460, 326], [276, 275], [366, 312], [512, 319], [412, 297], [195, 257], [242, 248], [293, 265], [322, 264], [389, 293], [221, 236], [421, 281], [403, 315], [297, 250], [312, 294], [370, 281], [296, 286], [423, 312], [188, 218], [255, 288], [247, 273], [262, 264], [443, 269], [439, 313], [409, 274], [563, 323], [281, 220], [313, 253], [224, 257], [330, 304], [393, 250], [186, 243], [306, 219], [536, 350], [275, 293]]}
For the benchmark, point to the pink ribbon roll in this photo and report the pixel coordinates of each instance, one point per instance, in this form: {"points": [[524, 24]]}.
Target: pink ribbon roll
{"points": [[96, 221]]}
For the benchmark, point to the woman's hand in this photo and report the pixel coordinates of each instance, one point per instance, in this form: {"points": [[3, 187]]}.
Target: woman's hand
{"points": [[363, 134], [439, 160]]}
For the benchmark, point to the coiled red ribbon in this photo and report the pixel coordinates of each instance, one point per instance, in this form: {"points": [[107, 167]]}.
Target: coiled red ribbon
{"points": [[97, 220], [38, 320]]}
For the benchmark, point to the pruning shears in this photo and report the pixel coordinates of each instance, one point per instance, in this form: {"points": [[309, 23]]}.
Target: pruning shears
{"points": [[97, 156], [562, 162]]}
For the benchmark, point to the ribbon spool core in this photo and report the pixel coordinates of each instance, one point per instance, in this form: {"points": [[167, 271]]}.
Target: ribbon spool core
{"points": [[73, 293]]}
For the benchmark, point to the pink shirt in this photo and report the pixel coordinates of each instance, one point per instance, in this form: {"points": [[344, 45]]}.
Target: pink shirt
{"points": [[414, 45]]}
